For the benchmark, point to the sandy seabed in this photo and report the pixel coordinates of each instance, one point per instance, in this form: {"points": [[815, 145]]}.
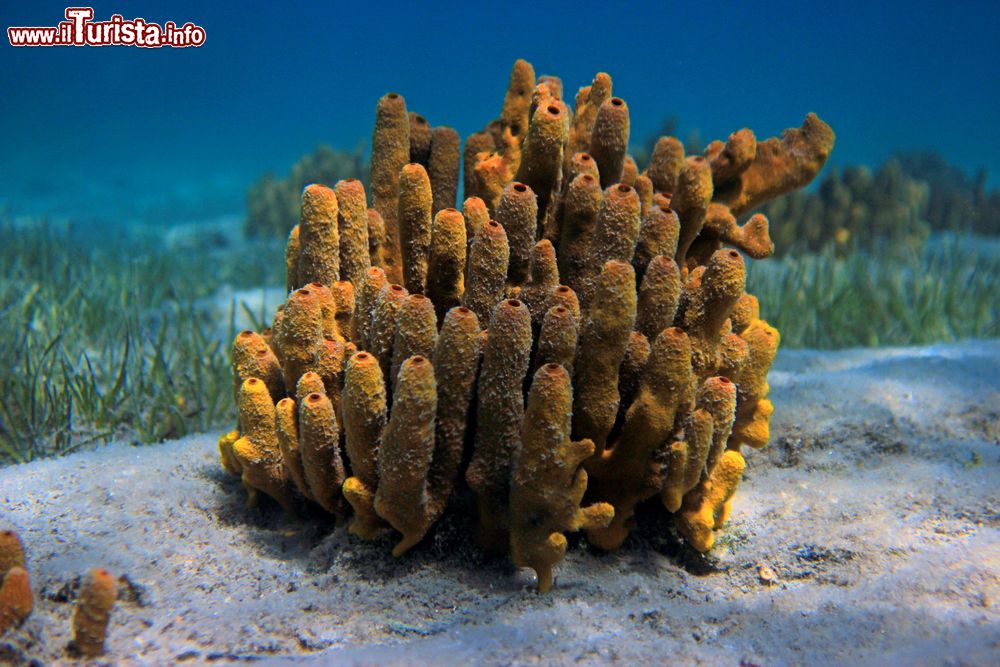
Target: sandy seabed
{"points": [[874, 516]]}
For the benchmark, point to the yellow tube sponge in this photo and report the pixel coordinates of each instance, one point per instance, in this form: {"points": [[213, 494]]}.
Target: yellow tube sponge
{"points": [[544, 278], [717, 396], [708, 305], [614, 236], [552, 224], [367, 297], [633, 363], [352, 220], [304, 318], [476, 145], [499, 415], [456, 360], [319, 443], [609, 140], [476, 216], [547, 482], [415, 220], [329, 367], [96, 599], [16, 598], [615, 298], [744, 313], [309, 382], [686, 459], [514, 115], [733, 352], [517, 212], [629, 473], [707, 507], [319, 256], [644, 187], [542, 155], [420, 138], [406, 452], [486, 276], [753, 411], [658, 235], [383, 329], [442, 167], [690, 200], [253, 358], [564, 296], [540, 96], [554, 84], [364, 415], [416, 333], [257, 451], [446, 264], [344, 305], [659, 294], [753, 237], [226, 457], [390, 153], [11, 551], [557, 338], [323, 294], [581, 204], [755, 426], [604, 338], [665, 164], [287, 424], [495, 170], [588, 102], [376, 236], [731, 158], [630, 171], [778, 166], [581, 163]]}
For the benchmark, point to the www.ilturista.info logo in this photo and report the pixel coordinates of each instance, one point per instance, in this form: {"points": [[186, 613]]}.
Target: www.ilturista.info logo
{"points": [[79, 29]]}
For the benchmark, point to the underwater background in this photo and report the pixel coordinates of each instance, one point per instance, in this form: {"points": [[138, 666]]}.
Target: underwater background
{"points": [[193, 401], [113, 135]]}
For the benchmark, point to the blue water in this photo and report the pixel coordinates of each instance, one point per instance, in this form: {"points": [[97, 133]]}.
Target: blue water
{"points": [[88, 132]]}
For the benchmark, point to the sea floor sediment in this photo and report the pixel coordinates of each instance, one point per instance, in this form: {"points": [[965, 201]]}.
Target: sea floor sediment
{"points": [[868, 532]]}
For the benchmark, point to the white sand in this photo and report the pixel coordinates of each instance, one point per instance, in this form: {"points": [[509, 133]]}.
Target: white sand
{"points": [[876, 506]]}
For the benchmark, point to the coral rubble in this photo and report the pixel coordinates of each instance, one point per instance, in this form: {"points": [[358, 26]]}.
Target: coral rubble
{"points": [[573, 341]]}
